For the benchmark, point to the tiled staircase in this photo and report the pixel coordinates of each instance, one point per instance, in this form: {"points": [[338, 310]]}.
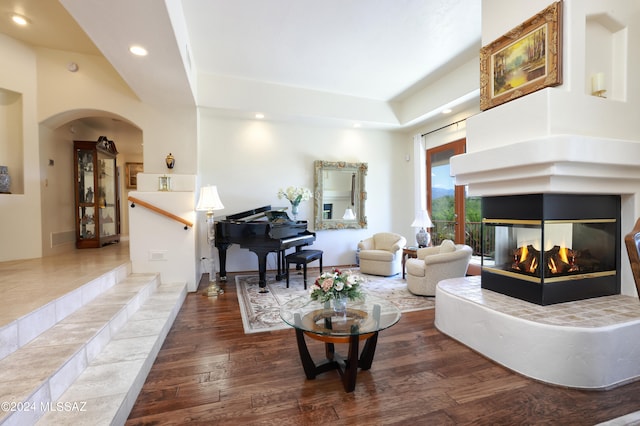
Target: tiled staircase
{"points": [[83, 358]]}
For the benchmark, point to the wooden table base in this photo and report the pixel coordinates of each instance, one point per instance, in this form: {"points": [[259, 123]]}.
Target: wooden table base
{"points": [[348, 368]]}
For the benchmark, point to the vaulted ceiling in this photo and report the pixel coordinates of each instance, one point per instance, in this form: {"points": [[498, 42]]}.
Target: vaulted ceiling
{"points": [[280, 57]]}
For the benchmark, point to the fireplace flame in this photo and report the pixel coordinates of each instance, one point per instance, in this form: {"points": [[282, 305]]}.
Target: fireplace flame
{"points": [[523, 254], [563, 253], [559, 260]]}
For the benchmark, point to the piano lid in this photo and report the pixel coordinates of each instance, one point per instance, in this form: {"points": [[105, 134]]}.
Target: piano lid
{"points": [[277, 215], [253, 212]]}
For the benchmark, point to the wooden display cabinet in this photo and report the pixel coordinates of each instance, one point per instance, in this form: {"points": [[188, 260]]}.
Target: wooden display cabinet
{"points": [[96, 188]]}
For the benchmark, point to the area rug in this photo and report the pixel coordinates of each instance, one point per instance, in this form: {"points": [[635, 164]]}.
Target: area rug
{"points": [[261, 311]]}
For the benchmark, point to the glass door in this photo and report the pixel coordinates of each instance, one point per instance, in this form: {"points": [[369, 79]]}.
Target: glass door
{"points": [[85, 215], [445, 200], [107, 199]]}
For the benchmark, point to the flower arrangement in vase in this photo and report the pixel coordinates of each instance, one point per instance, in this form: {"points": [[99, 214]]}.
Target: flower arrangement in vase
{"points": [[295, 195], [337, 285]]}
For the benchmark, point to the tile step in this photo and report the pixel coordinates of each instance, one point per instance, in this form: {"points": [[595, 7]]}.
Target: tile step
{"points": [[23, 330], [42, 370], [107, 389]]}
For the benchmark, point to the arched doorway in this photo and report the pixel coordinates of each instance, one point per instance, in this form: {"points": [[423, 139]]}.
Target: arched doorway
{"points": [[56, 136]]}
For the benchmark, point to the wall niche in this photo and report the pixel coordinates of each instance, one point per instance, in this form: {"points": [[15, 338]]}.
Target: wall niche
{"points": [[606, 56], [11, 138]]}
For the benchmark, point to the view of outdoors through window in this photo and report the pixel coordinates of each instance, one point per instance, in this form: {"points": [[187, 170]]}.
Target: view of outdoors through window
{"points": [[443, 206]]}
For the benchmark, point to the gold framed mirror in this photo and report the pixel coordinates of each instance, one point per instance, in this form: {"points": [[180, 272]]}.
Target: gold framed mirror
{"points": [[340, 195]]}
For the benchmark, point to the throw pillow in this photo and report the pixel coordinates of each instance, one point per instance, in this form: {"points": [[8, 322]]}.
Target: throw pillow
{"points": [[447, 246]]}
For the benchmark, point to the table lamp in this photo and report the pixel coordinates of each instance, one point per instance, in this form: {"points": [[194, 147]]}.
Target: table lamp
{"points": [[349, 214], [208, 202], [422, 221]]}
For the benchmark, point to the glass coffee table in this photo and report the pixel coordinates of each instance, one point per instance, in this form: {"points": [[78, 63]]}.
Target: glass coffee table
{"points": [[362, 319]]}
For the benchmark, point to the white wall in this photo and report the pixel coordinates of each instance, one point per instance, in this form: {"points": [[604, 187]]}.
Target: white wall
{"points": [[20, 213], [249, 160], [96, 90], [52, 98], [568, 108], [160, 244], [599, 136]]}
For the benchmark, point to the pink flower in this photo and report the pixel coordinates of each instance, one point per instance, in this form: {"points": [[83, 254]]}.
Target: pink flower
{"points": [[327, 284], [331, 285]]}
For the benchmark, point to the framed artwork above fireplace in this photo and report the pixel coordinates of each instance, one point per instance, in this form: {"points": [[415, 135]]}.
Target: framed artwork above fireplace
{"points": [[526, 59]]}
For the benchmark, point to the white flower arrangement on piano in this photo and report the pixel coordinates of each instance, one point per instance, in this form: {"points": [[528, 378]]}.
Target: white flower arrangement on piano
{"points": [[295, 195]]}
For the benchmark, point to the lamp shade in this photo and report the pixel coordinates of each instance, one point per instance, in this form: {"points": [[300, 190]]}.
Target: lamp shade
{"points": [[349, 214], [209, 199], [422, 220]]}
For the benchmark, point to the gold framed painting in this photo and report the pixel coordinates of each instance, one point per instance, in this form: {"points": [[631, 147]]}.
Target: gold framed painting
{"points": [[131, 172], [526, 59]]}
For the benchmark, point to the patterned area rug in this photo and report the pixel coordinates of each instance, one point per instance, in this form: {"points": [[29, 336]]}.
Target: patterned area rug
{"points": [[261, 311]]}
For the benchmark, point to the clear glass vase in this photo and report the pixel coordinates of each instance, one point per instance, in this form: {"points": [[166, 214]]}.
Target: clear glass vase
{"points": [[295, 210], [340, 305]]}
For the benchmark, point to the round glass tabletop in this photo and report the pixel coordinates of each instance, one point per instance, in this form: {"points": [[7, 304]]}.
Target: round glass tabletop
{"points": [[365, 315]]}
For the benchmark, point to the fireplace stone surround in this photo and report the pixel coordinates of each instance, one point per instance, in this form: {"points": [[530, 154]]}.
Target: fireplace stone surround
{"points": [[597, 357], [559, 140], [559, 164]]}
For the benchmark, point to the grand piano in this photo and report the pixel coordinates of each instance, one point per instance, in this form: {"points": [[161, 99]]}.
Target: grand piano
{"points": [[262, 231]]}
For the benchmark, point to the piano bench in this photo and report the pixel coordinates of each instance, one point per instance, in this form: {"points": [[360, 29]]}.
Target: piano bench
{"points": [[303, 257]]}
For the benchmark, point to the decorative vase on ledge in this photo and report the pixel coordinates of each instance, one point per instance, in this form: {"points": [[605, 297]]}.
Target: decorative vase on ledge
{"points": [[5, 179]]}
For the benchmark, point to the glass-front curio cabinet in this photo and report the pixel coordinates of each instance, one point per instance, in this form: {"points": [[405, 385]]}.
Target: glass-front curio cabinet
{"points": [[96, 188]]}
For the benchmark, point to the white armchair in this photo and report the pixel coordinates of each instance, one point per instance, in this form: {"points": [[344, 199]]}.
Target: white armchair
{"points": [[381, 254], [435, 264]]}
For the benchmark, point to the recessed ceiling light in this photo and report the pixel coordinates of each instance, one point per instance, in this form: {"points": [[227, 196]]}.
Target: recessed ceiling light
{"points": [[259, 116], [19, 19], [138, 50], [446, 111]]}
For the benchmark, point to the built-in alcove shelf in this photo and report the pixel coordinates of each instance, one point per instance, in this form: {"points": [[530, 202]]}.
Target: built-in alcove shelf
{"points": [[606, 57], [11, 140]]}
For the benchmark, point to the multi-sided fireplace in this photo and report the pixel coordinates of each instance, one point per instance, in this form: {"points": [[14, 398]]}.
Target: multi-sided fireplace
{"points": [[551, 248]]}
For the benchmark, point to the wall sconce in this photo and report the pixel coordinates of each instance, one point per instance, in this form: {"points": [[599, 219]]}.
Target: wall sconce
{"points": [[597, 85], [208, 202]]}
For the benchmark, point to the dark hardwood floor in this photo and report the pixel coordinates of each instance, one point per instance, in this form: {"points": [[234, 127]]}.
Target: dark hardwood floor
{"points": [[209, 372]]}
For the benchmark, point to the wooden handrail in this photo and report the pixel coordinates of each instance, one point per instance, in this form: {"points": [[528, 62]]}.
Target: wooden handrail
{"points": [[158, 210]]}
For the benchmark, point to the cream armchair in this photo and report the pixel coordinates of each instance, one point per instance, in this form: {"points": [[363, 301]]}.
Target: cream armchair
{"points": [[435, 264], [381, 254]]}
